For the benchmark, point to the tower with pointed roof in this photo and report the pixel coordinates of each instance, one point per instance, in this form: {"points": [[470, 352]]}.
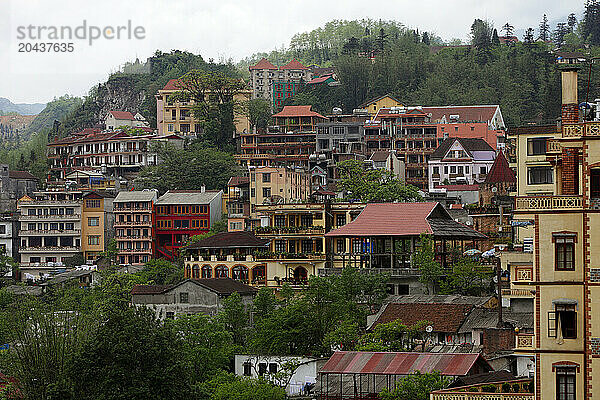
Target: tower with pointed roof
{"points": [[277, 83]]}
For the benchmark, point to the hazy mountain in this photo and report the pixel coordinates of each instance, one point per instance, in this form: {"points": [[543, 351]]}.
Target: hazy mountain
{"points": [[7, 106]]}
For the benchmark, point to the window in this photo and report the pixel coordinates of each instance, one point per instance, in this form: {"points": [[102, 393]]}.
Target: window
{"points": [[247, 368], [184, 297], [170, 128], [170, 315], [565, 317], [595, 182], [267, 192], [307, 246], [565, 383], [482, 170], [279, 246], [272, 368], [262, 369], [436, 170], [564, 252], [539, 175], [536, 146], [93, 221], [266, 177], [341, 245], [92, 203], [93, 240]]}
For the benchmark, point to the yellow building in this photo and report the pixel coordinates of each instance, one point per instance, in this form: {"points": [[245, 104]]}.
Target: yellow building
{"points": [[176, 117], [560, 222], [385, 101], [96, 224]]}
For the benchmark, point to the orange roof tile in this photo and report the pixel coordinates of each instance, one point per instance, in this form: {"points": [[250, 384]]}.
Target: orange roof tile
{"points": [[122, 115], [294, 64], [262, 64], [298, 111]]}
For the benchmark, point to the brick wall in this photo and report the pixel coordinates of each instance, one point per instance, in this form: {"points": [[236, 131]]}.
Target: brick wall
{"points": [[570, 113], [495, 339], [569, 165]]}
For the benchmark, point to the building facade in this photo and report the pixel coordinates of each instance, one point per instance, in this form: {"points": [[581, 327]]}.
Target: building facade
{"points": [[118, 119], [277, 84], [176, 117], [134, 226], [9, 235], [50, 231], [13, 186], [181, 214], [97, 221]]}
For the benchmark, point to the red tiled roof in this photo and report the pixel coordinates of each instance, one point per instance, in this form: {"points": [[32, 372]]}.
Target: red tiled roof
{"points": [[465, 113], [229, 240], [500, 171], [380, 155], [294, 64], [384, 219], [238, 180], [535, 129], [21, 175], [392, 363], [456, 206], [298, 111], [320, 79], [262, 64], [445, 318], [122, 115], [174, 84], [225, 286]]}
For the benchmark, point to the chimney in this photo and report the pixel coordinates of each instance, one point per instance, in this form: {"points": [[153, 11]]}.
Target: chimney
{"points": [[569, 108], [202, 189]]}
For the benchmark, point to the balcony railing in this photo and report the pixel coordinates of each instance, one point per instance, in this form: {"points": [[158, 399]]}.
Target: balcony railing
{"points": [[531, 203], [35, 232], [553, 146], [133, 223], [524, 341], [58, 249], [517, 292], [515, 389], [289, 230], [393, 272], [581, 129], [61, 217]]}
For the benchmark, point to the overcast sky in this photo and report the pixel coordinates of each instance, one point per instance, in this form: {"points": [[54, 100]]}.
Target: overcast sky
{"points": [[215, 29]]}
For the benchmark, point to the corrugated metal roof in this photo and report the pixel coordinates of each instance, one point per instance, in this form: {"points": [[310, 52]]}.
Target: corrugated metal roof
{"points": [[135, 196], [392, 363], [177, 197]]}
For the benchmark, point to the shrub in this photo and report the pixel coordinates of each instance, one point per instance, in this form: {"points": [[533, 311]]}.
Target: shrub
{"points": [[474, 389], [488, 388], [506, 387], [516, 387], [530, 387]]}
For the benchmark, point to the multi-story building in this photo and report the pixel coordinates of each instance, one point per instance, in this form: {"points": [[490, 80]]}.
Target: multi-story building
{"points": [[50, 231], [460, 161], [110, 153], [287, 247], [415, 133], [558, 219], [270, 185], [177, 117], [134, 226], [276, 149], [13, 186], [97, 221], [277, 84], [373, 106], [388, 160], [181, 214], [9, 235], [384, 238], [118, 119], [297, 119], [237, 203]]}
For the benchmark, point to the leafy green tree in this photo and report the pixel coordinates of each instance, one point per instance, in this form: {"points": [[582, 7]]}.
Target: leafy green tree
{"points": [[161, 272], [467, 278], [130, 355], [391, 336], [235, 318], [259, 113], [7, 263], [237, 388], [481, 33], [343, 337], [416, 387], [373, 185], [431, 272], [203, 166]]}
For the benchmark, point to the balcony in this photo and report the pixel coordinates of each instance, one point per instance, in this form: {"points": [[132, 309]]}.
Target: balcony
{"points": [[392, 272], [289, 230], [64, 217], [548, 203], [516, 389], [585, 129], [517, 293], [135, 251], [133, 223], [50, 249], [524, 341], [129, 209], [58, 232], [553, 146]]}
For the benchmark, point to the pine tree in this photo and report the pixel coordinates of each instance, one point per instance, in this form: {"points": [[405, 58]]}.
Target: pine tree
{"points": [[591, 22], [508, 29], [426, 39], [572, 21], [495, 38], [528, 37], [544, 29]]}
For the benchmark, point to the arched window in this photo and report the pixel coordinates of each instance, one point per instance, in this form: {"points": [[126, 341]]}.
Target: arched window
{"points": [[259, 274], [188, 271], [300, 274], [240, 273], [221, 271], [206, 271], [195, 271]]}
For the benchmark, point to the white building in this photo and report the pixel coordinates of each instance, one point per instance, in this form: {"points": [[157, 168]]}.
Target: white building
{"points": [[8, 236], [50, 231], [301, 371], [460, 161], [117, 119]]}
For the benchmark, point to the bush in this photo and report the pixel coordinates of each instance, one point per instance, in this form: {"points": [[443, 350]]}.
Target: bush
{"points": [[474, 389], [516, 387], [488, 388], [530, 387], [506, 387]]}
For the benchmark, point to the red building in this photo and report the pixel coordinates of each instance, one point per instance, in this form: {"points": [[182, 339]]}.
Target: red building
{"points": [[181, 214]]}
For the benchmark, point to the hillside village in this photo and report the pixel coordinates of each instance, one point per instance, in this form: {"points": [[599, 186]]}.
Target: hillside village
{"points": [[227, 233]]}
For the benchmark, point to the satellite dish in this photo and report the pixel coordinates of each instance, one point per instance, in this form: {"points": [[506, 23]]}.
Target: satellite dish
{"points": [[494, 189], [429, 329]]}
